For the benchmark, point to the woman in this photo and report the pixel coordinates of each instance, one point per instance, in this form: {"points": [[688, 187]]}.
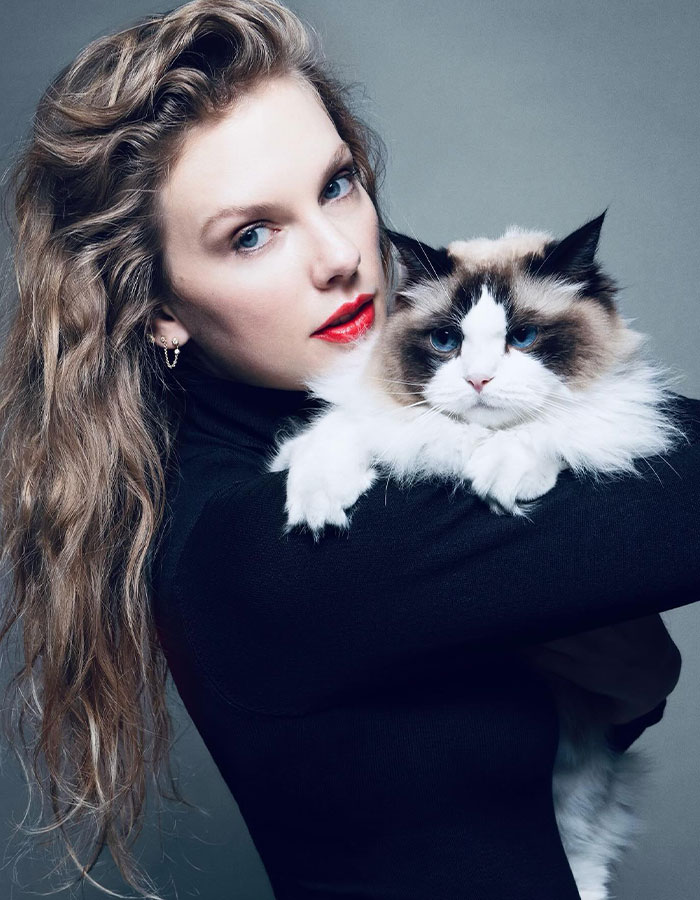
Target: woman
{"points": [[197, 194]]}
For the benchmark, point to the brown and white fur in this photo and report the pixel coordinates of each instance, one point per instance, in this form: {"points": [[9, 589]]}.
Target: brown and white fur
{"points": [[501, 363]]}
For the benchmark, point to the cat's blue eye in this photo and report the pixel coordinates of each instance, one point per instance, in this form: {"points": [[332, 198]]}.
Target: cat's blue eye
{"points": [[445, 339], [523, 337], [340, 185], [252, 238]]}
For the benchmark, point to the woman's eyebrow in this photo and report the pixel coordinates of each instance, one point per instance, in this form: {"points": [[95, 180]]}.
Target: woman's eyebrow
{"points": [[264, 210]]}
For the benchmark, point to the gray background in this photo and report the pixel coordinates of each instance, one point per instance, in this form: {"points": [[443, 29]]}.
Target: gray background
{"points": [[535, 113]]}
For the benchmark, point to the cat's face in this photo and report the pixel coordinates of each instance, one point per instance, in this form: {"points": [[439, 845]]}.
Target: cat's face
{"points": [[490, 330]]}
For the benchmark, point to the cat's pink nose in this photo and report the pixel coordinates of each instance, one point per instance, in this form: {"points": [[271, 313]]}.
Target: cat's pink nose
{"points": [[478, 382]]}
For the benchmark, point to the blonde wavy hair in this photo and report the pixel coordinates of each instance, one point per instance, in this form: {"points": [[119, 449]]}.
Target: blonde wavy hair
{"points": [[87, 421]]}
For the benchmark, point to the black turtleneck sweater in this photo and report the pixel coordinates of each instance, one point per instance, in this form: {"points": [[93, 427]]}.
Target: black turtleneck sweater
{"points": [[363, 696]]}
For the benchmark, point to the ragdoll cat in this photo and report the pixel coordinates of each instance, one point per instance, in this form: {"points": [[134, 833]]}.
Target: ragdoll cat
{"points": [[501, 363]]}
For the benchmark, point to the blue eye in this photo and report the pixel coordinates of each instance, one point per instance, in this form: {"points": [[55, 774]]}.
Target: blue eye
{"points": [[340, 185], [250, 238], [524, 336], [445, 339]]}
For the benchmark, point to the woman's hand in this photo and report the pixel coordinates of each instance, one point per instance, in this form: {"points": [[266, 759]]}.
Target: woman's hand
{"points": [[634, 664]]}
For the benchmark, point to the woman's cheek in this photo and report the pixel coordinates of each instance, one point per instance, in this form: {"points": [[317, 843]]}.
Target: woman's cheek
{"points": [[257, 318]]}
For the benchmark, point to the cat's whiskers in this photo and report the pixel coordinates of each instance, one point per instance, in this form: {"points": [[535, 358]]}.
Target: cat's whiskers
{"points": [[557, 404], [417, 403], [413, 393], [431, 411], [652, 469], [663, 459], [520, 416], [536, 404], [436, 410], [422, 402], [396, 381]]}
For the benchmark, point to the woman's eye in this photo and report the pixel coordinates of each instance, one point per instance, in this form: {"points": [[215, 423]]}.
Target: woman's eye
{"points": [[252, 238], [340, 185], [523, 336], [445, 339]]}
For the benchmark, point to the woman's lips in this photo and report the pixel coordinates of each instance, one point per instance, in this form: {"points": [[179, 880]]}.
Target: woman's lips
{"points": [[353, 328]]}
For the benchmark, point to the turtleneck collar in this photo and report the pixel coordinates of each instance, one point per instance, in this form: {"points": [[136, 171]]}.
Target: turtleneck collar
{"points": [[219, 411]]}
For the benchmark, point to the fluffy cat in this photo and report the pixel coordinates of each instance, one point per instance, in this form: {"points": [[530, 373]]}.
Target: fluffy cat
{"points": [[501, 363]]}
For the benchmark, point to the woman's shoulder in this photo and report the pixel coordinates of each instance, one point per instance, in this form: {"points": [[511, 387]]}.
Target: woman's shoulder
{"points": [[193, 483]]}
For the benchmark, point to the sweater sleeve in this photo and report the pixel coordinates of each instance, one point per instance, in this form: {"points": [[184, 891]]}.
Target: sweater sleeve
{"points": [[622, 736], [281, 622]]}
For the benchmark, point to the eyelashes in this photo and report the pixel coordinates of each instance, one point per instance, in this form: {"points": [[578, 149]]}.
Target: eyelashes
{"points": [[242, 245], [248, 240], [350, 175]]}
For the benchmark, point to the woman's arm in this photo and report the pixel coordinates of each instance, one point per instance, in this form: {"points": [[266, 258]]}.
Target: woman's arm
{"points": [[422, 570], [633, 665]]}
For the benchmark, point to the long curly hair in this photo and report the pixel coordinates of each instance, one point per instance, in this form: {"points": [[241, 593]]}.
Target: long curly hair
{"points": [[87, 420]]}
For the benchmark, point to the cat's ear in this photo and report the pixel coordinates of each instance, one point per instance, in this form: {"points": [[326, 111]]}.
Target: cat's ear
{"points": [[574, 255], [416, 261]]}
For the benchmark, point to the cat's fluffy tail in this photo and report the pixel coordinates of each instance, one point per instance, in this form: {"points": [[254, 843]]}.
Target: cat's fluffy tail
{"points": [[594, 805]]}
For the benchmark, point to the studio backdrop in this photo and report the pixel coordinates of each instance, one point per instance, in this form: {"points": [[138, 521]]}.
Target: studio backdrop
{"points": [[539, 113]]}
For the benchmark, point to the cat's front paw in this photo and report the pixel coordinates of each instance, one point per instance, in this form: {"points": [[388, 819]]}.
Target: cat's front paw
{"points": [[506, 468], [321, 486], [323, 500]]}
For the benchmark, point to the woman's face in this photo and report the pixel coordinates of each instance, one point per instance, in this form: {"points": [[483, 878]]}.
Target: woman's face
{"points": [[267, 233]]}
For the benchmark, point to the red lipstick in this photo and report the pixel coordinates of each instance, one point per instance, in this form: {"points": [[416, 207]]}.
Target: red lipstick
{"points": [[358, 315]]}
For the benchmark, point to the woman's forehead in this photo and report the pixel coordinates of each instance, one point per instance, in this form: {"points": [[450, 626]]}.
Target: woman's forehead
{"points": [[278, 129]]}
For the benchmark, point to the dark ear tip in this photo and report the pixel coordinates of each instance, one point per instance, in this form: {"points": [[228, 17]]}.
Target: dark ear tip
{"points": [[400, 240], [590, 231], [598, 220]]}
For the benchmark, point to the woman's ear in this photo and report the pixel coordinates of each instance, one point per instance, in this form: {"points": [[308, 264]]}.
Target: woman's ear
{"points": [[165, 324]]}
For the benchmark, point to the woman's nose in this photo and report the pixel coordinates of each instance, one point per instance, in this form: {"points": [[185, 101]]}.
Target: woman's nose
{"points": [[335, 256]]}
